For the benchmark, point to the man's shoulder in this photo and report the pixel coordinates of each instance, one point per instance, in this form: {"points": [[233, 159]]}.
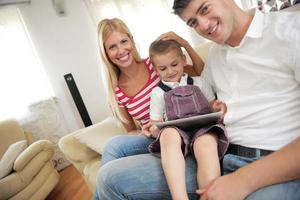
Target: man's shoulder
{"points": [[215, 53], [285, 17]]}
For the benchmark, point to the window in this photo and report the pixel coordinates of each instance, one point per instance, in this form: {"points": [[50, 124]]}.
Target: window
{"points": [[22, 79]]}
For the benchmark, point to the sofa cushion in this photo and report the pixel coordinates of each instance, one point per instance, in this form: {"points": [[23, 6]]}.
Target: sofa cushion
{"points": [[96, 136], [9, 157]]}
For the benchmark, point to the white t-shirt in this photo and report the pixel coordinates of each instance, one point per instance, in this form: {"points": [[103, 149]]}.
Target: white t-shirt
{"points": [[259, 81], [157, 102]]}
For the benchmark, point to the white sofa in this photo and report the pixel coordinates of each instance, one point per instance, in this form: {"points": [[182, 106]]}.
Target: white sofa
{"points": [[27, 171], [80, 153]]}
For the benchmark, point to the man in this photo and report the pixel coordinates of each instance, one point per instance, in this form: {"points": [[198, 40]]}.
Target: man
{"points": [[255, 70]]}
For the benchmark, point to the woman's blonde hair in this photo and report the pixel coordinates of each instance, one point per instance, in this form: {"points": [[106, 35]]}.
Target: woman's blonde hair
{"points": [[110, 71]]}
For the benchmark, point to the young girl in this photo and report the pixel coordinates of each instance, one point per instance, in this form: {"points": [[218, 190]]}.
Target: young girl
{"points": [[180, 96]]}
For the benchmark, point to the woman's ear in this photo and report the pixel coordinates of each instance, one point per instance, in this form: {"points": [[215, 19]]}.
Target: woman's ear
{"points": [[184, 59], [131, 37]]}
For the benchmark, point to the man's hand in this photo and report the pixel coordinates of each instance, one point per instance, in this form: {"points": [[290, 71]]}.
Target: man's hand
{"points": [[226, 187]]}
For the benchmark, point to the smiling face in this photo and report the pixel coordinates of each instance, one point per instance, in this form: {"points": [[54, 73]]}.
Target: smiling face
{"points": [[120, 49], [212, 19], [169, 65]]}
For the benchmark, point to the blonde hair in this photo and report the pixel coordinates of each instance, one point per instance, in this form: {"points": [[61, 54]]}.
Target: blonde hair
{"points": [[110, 71], [160, 47]]}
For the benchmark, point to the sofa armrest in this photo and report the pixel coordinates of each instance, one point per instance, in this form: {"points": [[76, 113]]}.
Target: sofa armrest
{"points": [[78, 147], [75, 151], [33, 151]]}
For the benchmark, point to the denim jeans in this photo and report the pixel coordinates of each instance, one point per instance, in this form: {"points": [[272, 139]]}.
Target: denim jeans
{"points": [[284, 191], [123, 146], [141, 176]]}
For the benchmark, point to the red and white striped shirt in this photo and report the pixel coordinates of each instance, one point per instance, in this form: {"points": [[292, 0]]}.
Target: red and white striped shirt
{"points": [[138, 106]]}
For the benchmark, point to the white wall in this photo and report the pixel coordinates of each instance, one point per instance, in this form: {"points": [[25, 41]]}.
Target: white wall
{"points": [[67, 44]]}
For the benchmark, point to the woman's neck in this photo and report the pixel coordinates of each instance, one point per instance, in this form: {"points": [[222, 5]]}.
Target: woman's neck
{"points": [[130, 72]]}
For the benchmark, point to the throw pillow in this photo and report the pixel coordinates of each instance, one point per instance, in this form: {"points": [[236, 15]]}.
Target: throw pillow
{"points": [[97, 135], [9, 157]]}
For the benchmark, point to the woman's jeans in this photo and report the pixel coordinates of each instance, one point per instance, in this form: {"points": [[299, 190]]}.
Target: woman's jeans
{"points": [[139, 175], [123, 146]]}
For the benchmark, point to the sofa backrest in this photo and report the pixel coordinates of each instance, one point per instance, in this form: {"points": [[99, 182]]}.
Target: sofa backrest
{"points": [[10, 132], [202, 50]]}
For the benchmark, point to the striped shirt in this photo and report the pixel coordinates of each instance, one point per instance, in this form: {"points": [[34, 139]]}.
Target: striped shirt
{"points": [[138, 106]]}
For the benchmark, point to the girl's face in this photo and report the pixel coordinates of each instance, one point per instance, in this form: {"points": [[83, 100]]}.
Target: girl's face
{"points": [[119, 49], [170, 66]]}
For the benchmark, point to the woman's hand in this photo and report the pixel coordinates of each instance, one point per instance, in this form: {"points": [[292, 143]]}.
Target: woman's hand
{"points": [[197, 62], [173, 36]]}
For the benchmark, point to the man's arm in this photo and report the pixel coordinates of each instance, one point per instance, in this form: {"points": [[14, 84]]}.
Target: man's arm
{"points": [[282, 165]]}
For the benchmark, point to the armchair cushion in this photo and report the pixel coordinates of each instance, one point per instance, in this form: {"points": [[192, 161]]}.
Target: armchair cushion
{"points": [[9, 157], [95, 139], [29, 154]]}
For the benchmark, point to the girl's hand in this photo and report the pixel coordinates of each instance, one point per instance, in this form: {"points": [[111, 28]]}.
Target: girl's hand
{"points": [[219, 106], [150, 130]]}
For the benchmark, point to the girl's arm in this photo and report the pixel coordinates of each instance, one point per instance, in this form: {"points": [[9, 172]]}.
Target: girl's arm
{"points": [[130, 126], [198, 64]]}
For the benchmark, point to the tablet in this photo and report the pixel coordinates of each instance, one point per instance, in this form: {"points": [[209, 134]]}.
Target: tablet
{"points": [[192, 122]]}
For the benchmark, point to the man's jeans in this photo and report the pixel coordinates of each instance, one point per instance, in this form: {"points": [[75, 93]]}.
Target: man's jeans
{"points": [[141, 176]]}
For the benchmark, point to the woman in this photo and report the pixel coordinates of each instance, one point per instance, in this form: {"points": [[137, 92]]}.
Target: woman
{"points": [[130, 80]]}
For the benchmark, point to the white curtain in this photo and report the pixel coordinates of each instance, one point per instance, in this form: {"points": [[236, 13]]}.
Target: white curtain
{"points": [[22, 79], [24, 87], [146, 19]]}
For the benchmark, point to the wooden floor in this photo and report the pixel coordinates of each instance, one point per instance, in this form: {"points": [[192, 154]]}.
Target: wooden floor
{"points": [[70, 187]]}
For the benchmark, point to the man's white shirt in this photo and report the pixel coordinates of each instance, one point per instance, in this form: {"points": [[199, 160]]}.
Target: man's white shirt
{"points": [[260, 82]]}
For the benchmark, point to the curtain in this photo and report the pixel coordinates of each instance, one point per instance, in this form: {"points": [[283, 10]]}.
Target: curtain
{"points": [[22, 79], [25, 91]]}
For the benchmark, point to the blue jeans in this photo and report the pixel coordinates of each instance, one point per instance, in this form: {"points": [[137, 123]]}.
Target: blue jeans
{"points": [[123, 146], [141, 177]]}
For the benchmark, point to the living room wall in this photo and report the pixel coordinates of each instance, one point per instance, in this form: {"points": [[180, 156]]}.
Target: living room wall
{"points": [[67, 44]]}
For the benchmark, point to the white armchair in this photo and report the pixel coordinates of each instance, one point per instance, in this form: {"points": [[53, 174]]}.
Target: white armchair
{"points": [[31, 174]]}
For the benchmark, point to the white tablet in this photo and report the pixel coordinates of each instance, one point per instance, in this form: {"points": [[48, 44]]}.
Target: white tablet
{"points": [[192, 122]]}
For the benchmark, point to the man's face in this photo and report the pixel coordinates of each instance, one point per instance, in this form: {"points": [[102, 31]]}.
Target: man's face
{"points": [[212, 19]]}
